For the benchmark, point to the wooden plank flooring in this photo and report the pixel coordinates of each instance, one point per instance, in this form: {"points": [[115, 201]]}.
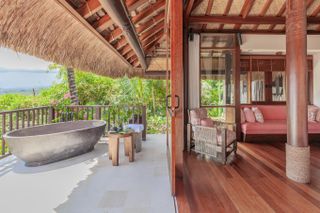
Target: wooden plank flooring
{"points": [[255, 182]]}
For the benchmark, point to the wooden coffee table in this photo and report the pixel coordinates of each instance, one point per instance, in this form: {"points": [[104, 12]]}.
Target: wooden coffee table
{"points": [[114, 146]]}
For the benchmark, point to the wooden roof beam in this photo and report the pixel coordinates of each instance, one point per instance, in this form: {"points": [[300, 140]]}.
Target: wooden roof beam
{"points": [[247, 20], [89, 8], [151, 22], [119, 14], [148, 11], [245, 11], [250, 31]]}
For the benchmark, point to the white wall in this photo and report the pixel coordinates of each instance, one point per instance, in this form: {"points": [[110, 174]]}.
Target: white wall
{"points": [[268, 44], [316, 78], [194, 72]]}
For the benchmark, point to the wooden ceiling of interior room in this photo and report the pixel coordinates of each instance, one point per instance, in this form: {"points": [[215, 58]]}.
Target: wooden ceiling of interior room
{"points": [[246, 16], [147, 17]]}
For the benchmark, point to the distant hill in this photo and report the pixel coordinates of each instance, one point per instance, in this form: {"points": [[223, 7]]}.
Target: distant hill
{"points": [[24, 81]]}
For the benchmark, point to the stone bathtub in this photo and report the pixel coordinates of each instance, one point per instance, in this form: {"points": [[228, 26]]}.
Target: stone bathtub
{"points": [[54, 142]]}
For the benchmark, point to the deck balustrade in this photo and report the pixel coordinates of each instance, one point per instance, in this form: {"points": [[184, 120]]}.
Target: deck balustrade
{"points": [[113, 115]]}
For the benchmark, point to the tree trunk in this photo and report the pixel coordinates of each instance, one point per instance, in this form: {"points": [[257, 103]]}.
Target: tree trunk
{"points": [[72, 87]]}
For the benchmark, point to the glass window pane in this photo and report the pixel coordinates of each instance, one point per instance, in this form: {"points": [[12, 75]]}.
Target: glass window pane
{"points": [[244, 88], [217, 78], [278, 86], [258, 86]]}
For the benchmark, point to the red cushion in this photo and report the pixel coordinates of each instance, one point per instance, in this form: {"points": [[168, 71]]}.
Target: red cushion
{"points": [[268, 127], [275, 127]]}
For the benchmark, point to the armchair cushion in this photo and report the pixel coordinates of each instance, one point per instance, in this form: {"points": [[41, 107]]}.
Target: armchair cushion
{"points": [[207, 122]]}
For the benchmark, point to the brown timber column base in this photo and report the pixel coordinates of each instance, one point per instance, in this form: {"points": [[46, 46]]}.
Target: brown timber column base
{"points": [[298, 163]]}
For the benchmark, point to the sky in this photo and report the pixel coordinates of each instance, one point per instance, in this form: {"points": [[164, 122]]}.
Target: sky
{"points": [[10, 59], [20, 71]]}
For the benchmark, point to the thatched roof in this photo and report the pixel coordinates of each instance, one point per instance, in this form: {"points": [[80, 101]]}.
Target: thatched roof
{"points": [[46, 29]]}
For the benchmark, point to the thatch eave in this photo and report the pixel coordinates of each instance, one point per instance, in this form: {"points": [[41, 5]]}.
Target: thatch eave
{"points": [[49, 30]]}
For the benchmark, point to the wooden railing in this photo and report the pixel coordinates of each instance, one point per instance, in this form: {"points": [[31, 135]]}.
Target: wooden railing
{"points": [[113, 115]]}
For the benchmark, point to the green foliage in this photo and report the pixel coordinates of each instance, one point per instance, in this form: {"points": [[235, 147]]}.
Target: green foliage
{"points": [[98, 90]]}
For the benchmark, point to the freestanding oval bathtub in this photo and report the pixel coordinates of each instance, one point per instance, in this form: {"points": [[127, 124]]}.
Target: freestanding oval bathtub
{"points": [[54, 142]]}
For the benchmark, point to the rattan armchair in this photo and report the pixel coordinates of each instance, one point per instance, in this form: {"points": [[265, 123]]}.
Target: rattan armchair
{"points": [[217, 142]]}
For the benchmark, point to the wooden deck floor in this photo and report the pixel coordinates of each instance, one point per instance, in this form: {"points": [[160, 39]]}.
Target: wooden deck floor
{"points": [[255, 182]]}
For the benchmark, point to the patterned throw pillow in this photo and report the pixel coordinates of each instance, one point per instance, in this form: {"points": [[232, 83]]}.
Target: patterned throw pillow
{"points": [[312, 113], [243, 117], [258, 114], [318, 116], [248, 113], [195, 117]]}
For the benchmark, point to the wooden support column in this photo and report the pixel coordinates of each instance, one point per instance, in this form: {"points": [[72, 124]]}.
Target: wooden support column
{"points": [[237, 101], [297, 147], [177, 90]]}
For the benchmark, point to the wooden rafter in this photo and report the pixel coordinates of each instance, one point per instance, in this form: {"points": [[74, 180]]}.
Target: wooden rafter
{"points": [[246, 8], [156, 28], [263, 12], [135, 4], [125, 49], [89, 8], [316, 11], [226, 11], [103, 23], [129, 54], [121, 43], [142, 27], [113, 35], [188, 8], [208, 12], [154, 37], [280, 13], [148, 11], [246, 20], [196, 4]]}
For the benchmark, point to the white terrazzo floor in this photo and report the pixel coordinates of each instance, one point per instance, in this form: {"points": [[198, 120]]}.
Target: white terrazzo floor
{"points": [[89, 183]]}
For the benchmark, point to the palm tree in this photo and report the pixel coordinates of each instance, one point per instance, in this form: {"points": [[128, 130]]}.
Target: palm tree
{"points": [[72, 87]]}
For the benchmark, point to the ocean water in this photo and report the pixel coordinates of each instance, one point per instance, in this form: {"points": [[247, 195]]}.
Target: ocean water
{"points": [[24, 81]]}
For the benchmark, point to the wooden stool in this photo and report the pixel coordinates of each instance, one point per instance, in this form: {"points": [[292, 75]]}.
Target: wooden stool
{"points": [[113, 150]]}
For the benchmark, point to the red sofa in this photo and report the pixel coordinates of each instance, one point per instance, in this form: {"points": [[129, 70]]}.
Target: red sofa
{"points": [[275, 123]]}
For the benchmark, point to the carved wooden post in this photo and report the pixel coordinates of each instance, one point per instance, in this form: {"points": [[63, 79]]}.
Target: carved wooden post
{"points": [[3, 151], [297, 147], [51, 114], [98, 113], [144, 122]]}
